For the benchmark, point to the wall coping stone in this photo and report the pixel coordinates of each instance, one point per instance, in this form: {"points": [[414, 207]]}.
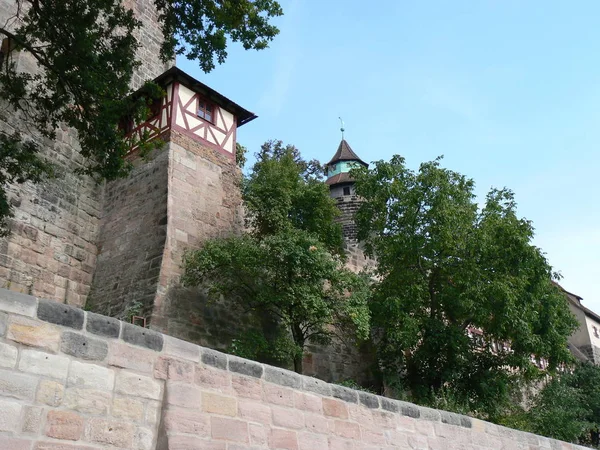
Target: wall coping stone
{"points": [[74, 318]]}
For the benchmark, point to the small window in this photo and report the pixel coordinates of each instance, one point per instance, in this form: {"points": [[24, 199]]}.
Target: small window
{"points": [[347, 191], [205, 110]]}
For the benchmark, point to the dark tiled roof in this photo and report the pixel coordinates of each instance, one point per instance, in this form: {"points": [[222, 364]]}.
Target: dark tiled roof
{"points": [[345, 153], [339, 178]]}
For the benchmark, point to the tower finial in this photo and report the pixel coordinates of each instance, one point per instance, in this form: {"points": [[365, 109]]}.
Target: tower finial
{"points": [[342, 129]]}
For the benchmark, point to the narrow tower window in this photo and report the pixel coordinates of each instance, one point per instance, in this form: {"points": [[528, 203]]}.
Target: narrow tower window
{"points": [[205, 110], [347, 190]]}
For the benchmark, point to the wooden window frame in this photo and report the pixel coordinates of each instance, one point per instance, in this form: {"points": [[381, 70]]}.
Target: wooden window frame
{"points": [[203, 106]]}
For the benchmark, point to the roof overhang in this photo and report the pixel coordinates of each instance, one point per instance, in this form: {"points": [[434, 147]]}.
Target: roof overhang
{"points": [[176, 74]]}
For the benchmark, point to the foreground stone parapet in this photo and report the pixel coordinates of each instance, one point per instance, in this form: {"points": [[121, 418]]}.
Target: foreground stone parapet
{"points": [[72, 380]]}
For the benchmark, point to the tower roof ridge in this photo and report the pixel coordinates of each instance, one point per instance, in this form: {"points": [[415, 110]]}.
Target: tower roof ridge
{"points": [[345, 153]]}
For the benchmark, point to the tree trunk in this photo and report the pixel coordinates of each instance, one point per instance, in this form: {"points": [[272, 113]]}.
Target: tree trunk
{"points": [[299, 341]]}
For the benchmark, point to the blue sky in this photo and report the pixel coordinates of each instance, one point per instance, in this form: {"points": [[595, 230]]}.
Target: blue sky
{"points": [[508, 91]]}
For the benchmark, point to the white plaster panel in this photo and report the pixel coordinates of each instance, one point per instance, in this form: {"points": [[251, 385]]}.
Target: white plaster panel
{"points": [[193, 121], [219, 135], [591, 324], [228, 145], [179, 121], [211, 139], [228, 118], [185, 94], [169, 90]]}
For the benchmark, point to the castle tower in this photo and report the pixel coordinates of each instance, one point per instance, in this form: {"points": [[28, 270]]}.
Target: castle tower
{"points": [[341, 186], [182, 195]]}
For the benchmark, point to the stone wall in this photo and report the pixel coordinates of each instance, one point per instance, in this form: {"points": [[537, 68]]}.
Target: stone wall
{"points": [[52, 249], [133, 230], [74, 380]]}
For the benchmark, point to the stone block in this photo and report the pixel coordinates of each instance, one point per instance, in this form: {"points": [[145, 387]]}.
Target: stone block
{"points": [[219, 404], [65, 425], [32, 419], [16, 303], [3, 323], [181, 349], [312, 441], [254, 411], [102, 325], [317, 386], [17, 385], [348, 430], [50, 393], [229, 429], [369, 400], [108, 432], [188, 421], [60, 314], [46, 364], [430, 414], [245, 366], [214, 358], [8, 355], [195, 443], [287, 417], [83, 347], [90, 376], [128, 408], [283, 377], [450, 418], [335, 408], [87, 401], [182, 394], [283, 439], [142, 337], [258, 435], [33, 333], [10, 443], [129, 357], [10, 415], [143, 439], [138, 386], [408, 409], [152, 414], [247, 387], [210, 378], [308, 402], [174, 369], [343, 393], [278, 395], [389, 404]]}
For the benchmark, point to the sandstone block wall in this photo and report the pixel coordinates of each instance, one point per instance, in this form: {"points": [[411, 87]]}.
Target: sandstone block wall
{"points": [[74, 380], [132, 237], [53, 247]]}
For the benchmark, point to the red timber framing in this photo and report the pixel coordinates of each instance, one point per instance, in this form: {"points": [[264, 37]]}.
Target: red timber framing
{"points": [[179, 112]]}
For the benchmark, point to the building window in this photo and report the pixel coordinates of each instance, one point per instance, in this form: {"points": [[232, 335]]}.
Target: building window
{"points": [[347, 190], [596, 331], [206, 110]]}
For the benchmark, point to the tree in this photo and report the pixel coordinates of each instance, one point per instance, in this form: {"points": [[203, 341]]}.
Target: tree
{"points": [[447, 271], [86, 55], [289, 266]]}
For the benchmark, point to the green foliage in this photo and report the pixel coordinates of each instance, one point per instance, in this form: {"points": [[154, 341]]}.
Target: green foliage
{"points": [[288, 268], [289, 276], [254, 345], [285, 192], [446, 267], [198, 29], [86, 54], [352, 384], [566, 408], [240, 155]]}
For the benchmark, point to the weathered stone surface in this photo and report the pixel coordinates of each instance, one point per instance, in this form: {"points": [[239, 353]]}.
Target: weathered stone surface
{"points": [[343, 393], [64, 425], [214, 358], [84, 347], [315, 385], [389, 404], [87, 401], [130, 357], [3, 323], [369, 400], [245, 366], [10, 415], [8, 355], [107, 432], [128, 408], [14, 302], [91, 376], [40, 363], [283, 377], [34, 333], [137, 385], [102, 325], [408, 409], [50, 393], [60, 314], [32, 419], [142, 337]]}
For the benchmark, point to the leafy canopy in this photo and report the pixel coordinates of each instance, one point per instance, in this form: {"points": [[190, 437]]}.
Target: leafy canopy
{"points": [[449, 270], [288, 266], [85, 51]]}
